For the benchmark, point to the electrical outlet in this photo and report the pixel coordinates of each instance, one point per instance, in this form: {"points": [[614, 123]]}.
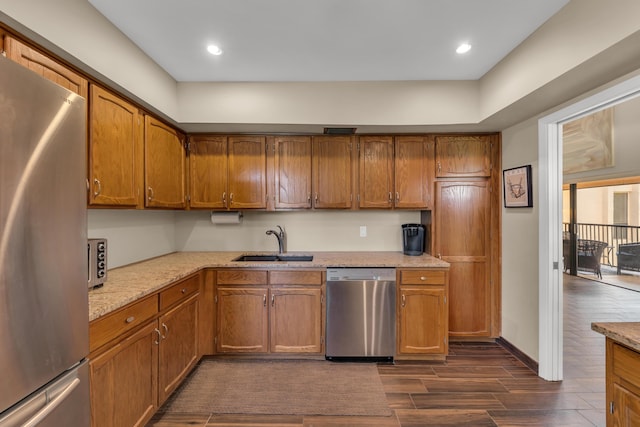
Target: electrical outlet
{"points": [[363, 231]]}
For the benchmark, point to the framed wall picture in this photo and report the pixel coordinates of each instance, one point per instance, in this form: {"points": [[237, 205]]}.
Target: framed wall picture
{"points": [[517, 187]]}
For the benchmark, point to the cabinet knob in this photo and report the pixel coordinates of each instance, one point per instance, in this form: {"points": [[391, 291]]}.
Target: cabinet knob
{"points": [[423, 278], [130, 319], [166, 331], [98, 186], [184, 290]]}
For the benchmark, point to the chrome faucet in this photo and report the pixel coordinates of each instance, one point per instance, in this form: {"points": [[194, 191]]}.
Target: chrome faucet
{"points": [[282, 239]]}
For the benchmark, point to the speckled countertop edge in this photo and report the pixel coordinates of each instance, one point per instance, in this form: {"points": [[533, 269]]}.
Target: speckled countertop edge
{"points": [[625, 333], [132, 282]]}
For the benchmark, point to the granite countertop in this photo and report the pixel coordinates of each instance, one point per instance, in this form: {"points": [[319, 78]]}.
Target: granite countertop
{"points": [[132, 282], [625, 333]]}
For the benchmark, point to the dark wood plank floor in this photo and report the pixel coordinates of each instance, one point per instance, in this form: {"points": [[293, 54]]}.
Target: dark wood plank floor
{"points": [[482, 384]]}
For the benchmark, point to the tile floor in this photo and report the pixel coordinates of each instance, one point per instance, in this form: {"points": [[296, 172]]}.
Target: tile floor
{"points": [[482, 384]]}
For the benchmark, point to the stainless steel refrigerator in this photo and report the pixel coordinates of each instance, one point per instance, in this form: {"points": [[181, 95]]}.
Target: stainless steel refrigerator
{"points": [[44, 336]]}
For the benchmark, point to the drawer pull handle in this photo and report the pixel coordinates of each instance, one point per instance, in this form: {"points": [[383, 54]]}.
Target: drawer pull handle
{"points": [[130, 319], [166, 331], [423, 278], [184, 290], [404, 300], [264, 300], [273, 300], [157, 331]]}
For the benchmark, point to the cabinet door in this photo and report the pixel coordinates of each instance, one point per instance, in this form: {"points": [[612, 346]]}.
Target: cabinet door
{"points": [[296, 320], [114, 150], [422, 320], [45, 66], [376, 172], [247, 172], [123, 381], [626, 405], [332, 172], [208, 172], [293, 172], [414, 172], [462, 238], [242, 320], [463, 156], [164, 167], [178, 351]]}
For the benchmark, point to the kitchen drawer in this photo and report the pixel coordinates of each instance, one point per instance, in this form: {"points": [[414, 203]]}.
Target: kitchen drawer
{"points": [[422, 277], [625, 363], [179, 291], [242, 277], [115, 324], [295, 277]]}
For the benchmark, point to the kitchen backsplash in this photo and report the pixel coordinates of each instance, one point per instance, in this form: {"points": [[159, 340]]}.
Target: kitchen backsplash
{"points": [[135, 235]]}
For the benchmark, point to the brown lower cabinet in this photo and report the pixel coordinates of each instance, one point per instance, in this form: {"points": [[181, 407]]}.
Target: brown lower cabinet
{"points": [[135, 369], [270, 312], [623, 385], [422, 314]]}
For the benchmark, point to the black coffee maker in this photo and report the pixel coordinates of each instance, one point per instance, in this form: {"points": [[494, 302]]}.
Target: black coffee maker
{"points": [[412, 239]]}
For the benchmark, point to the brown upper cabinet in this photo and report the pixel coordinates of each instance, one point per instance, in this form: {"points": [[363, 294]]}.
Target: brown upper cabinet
{"points": [[164, 165], [332, 172], [396, 172], [463, 156], [227, 172], [115, 151], [292, 170], [45, 66], [376, 172]]}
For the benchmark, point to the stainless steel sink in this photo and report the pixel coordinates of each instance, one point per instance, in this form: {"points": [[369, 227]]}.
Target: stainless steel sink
{"points": [[277, 257]]}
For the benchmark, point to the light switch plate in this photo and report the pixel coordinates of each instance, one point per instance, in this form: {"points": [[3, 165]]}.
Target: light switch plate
{"points": [[363, 231]]}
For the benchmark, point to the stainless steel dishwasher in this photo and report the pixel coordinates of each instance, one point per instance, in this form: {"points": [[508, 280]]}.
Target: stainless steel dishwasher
{"points": [[361, 313]]}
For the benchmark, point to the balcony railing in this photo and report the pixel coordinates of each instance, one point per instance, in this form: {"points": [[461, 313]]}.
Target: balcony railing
{"points": [[613, 235]]}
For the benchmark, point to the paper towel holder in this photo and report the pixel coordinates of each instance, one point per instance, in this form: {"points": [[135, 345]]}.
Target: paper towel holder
{"points": [[226, 217]]}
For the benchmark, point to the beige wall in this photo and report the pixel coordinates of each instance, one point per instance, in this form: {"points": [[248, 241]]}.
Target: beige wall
{"points": [[520, 245]]}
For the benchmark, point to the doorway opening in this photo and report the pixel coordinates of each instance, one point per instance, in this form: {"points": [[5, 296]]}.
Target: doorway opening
{"points": [[550, 182]]}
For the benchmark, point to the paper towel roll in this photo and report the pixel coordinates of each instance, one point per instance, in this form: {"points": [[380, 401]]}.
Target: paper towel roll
{"points": [[226, 217]]}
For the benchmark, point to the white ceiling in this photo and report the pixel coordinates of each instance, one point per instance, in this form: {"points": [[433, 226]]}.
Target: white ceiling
{"points": [[327, 40]]}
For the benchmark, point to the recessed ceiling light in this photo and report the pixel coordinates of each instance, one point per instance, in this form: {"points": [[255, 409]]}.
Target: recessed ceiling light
{"points": [[214, 50], [463, 48]]}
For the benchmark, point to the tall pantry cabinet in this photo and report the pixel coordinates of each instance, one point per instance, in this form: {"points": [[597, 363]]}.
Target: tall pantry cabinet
{"points": [[465, 228]]}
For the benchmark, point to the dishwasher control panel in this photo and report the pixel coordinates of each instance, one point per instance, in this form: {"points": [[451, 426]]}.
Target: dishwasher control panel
{"points": [[365, 273]]}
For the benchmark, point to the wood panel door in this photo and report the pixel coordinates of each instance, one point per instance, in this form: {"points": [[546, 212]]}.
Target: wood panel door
{"points": [[208, 172], [422, 320], [462, 238], [115, 150], [292, 172], [45, 66], [296, 320], [332, 172], [165, 165], [463, 156], [123, 381], [626, 404], [247, 172], [178, 351], [414, 172], [242, 320], [376, 172]]}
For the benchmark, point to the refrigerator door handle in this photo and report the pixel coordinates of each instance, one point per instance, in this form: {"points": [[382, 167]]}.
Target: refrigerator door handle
{"points": [[53, 404]]}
